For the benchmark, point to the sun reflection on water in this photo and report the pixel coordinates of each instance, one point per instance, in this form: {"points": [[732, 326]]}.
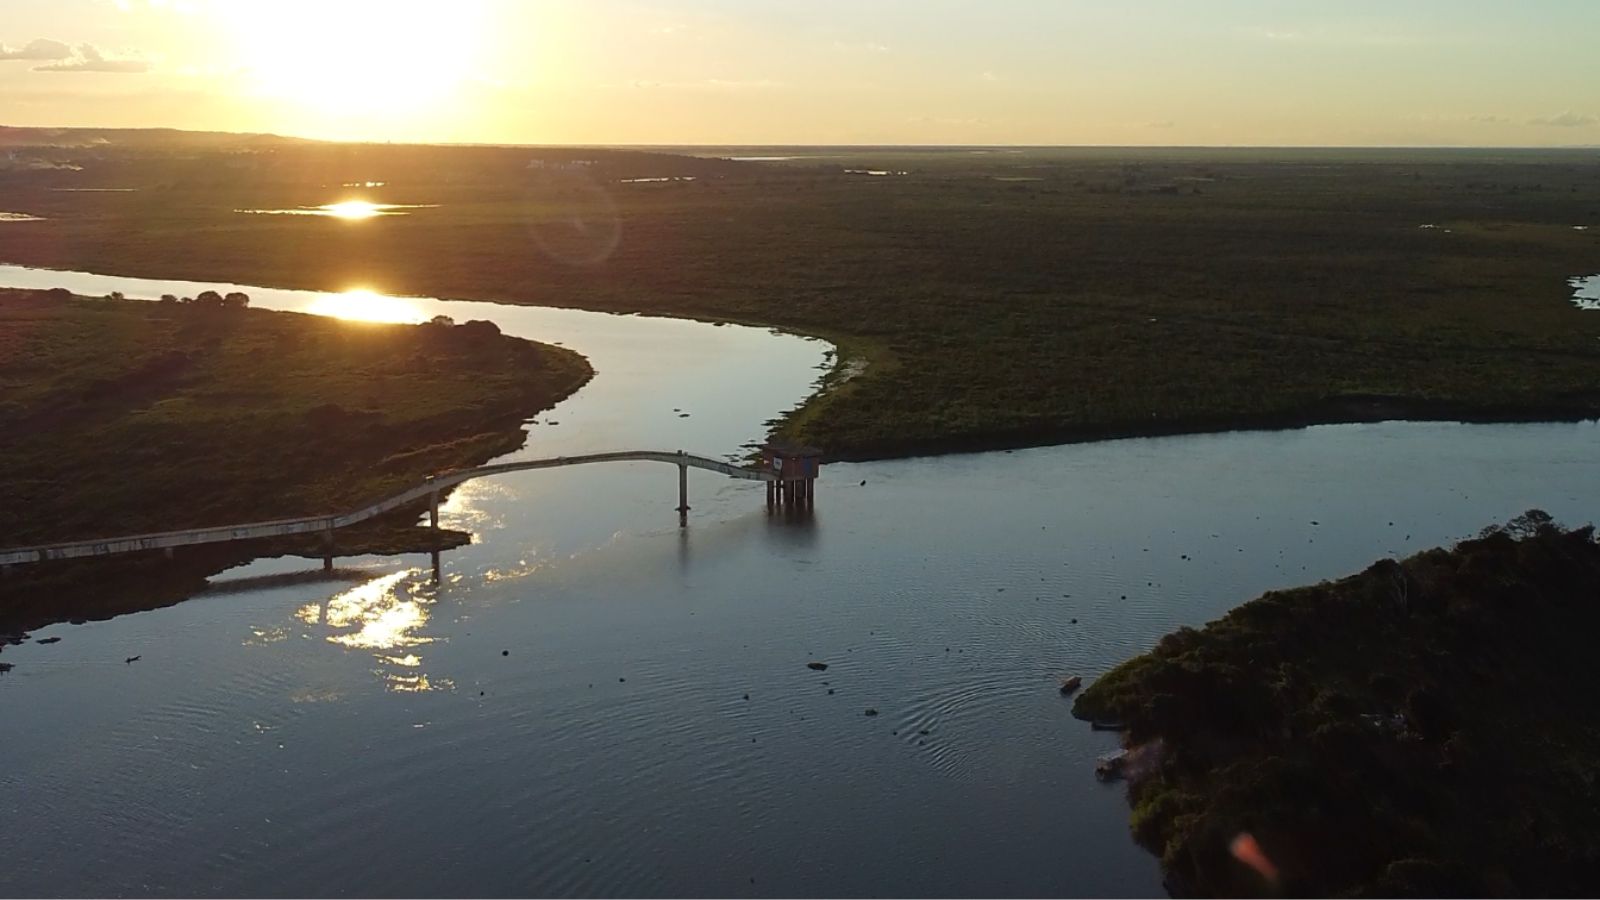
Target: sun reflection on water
{"points": [[366, 306], [348, 210], [385, 615], [466, 508], [353, 209]]}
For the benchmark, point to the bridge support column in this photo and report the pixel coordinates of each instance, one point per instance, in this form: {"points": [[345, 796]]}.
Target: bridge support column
{"points": [[433, 523], [683, 493], [327, 549]]}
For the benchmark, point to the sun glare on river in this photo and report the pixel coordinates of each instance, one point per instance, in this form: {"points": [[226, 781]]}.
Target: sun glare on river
{"points": [[353, 209], [366, 306]]}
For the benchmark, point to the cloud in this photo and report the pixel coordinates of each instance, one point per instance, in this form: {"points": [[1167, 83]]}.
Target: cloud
{"points": [[90, 59], [708, 84], [41, 49], [1273, 34], [861, 47], [1336, 36], [947, 121], [1567, 119], [1457, 119]]}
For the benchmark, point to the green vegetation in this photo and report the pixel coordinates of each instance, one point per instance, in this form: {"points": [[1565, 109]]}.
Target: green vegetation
{"points": [[1000, 297], [1425, 728], [121, 417]]}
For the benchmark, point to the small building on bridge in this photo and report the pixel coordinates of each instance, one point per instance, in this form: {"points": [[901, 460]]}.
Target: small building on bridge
{"points": [[796, 467]]}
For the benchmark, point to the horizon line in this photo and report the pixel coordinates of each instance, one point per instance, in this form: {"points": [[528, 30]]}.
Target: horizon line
{"points": [[792, 145]]}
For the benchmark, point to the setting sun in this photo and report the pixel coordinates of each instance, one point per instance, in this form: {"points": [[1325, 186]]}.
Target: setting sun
{"points": [[355, 61]]}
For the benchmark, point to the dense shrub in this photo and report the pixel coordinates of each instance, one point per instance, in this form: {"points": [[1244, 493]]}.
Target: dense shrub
{"points": [[1444, 746]]}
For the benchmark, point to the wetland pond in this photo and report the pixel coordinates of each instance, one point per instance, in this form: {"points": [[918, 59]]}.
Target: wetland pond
{"points": [[594, 702], [1586, 292]]}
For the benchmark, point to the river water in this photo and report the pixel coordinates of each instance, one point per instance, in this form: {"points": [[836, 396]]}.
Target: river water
{"points": [[593, 701]]}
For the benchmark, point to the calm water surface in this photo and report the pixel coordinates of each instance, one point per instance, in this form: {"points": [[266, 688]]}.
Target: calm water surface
{"points": [[286, 734], [1586, 292]]}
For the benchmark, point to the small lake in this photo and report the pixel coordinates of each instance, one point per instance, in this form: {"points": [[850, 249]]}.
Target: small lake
{"points": [[1586, 292], [344, 209], [595, 702]]}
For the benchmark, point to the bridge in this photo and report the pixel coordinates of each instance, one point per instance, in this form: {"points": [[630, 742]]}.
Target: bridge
{"points": [[790, 474]]}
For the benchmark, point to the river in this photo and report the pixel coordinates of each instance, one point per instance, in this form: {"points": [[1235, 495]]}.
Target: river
{"points": [[593, 701]]}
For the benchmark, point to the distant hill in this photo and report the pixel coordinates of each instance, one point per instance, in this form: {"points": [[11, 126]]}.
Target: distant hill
{"points": [[13, 136], [148, 157]]}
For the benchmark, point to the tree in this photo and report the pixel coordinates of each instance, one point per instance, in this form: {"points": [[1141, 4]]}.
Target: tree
{"points": [[446, 321], [236, 300], [209, 298], [169, 298]]}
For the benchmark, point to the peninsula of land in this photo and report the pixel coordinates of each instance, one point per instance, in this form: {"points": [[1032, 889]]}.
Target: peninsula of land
{"points": [[1424, 728], [122, 416]]}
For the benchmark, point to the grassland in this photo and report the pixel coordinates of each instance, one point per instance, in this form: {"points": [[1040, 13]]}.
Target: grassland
{"points": [[121, 417], [999, 298], [1425, 728]]}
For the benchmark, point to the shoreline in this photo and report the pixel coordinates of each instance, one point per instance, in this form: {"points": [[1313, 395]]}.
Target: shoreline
{"points": [[1337, 411], [872, 356]]}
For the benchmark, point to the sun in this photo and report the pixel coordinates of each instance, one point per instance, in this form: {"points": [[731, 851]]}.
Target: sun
{"points": [[355, 60]]}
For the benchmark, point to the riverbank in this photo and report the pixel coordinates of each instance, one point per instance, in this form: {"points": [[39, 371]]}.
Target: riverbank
{"points": [[1330, 411], [129, 416], [1261, 290], [1420, 729]]}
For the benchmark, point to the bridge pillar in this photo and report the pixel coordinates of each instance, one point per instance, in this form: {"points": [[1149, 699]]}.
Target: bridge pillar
{"points": [[327, 549], [433, 523], [683, 493]]}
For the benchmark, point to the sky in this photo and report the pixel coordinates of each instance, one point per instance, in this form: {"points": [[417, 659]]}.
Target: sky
{"points": [[721, 72]]}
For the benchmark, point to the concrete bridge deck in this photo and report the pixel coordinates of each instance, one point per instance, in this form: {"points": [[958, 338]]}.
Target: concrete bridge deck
{"points": [[327, 524]]}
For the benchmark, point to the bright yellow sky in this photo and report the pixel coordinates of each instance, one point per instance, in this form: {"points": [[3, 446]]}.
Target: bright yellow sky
{"points": [[1334, 72]]}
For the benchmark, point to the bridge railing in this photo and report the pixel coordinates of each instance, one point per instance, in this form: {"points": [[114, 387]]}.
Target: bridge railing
{"points": [[326, 524]]}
